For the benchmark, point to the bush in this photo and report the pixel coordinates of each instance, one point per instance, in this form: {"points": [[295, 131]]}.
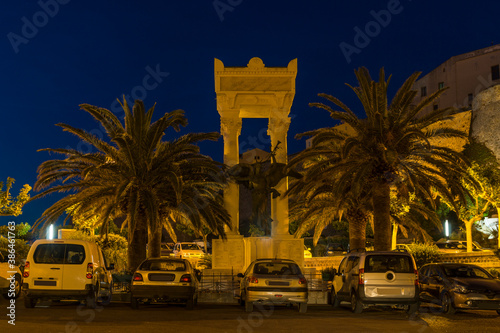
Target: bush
{"points": [[424, 253], [20, 246]]}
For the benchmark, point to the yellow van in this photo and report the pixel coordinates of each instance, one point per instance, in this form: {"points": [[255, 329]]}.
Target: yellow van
{"points": [[67, 269]]}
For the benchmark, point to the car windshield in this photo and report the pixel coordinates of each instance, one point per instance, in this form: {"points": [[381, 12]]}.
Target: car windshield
{"points": [[276, 268], [384, 263], [466, 272], [190, 247], [162, 265]]}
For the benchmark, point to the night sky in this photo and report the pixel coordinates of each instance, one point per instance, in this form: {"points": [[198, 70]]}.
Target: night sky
{"points": [[59, 54]]}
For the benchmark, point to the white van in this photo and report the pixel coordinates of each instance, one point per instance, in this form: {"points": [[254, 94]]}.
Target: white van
{"points": [[66, 269]]}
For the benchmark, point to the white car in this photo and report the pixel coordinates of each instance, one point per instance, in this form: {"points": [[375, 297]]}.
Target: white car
{"points": [[67, 269], [164, 280], [188, 250], [10, 278]]}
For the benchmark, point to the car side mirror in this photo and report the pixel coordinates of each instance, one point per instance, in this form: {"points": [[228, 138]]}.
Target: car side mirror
{"points": [[111, 267], [308, 249], [240, 275]]}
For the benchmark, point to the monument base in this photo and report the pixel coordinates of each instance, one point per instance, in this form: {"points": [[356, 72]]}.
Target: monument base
{"points": [[237, 253]]}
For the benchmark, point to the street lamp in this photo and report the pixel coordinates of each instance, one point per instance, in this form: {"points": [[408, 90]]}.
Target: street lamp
{"points": [[50, 232], [446, 229]]}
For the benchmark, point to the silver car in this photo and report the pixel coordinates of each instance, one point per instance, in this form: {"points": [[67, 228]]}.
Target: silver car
{"points": [[164, 280], [275, 281], [376, 278]]}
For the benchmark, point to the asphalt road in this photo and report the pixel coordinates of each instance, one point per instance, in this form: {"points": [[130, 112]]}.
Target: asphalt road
{"points": [[207, 318]]}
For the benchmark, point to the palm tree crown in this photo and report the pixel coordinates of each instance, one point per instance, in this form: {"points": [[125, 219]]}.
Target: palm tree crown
{"points": [[151, 182], [391, 149]]}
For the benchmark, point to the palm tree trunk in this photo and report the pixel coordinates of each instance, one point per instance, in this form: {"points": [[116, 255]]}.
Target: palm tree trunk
{"points": [[381, 201], [137, 245], [154, 241], [357, 219]]}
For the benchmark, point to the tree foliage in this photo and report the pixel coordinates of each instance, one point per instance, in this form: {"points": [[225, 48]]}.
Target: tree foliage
{"points": [[10, 206]]}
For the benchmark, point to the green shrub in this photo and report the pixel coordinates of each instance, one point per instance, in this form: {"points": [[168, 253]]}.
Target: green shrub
{"points": [[327, 274], [20, 246], [424, 253], [320, 250]]}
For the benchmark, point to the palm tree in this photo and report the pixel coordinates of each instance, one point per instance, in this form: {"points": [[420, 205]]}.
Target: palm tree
{"points": [[136, 175], [392, 148]]}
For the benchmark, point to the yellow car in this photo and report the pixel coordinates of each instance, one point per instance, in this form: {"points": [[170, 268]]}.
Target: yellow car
{"points": [[307, 252]]}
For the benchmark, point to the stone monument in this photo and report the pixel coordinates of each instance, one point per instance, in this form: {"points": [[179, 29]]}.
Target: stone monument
{"points": [[255, 91]]}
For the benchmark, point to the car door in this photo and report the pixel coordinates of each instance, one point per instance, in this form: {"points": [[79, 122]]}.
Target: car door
{"points": [[339, 279], [424, 283], [47, 268], [434, 283], [75, 267]]}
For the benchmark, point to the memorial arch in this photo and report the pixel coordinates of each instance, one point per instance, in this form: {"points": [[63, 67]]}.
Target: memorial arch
{"points": [[255, 91]]}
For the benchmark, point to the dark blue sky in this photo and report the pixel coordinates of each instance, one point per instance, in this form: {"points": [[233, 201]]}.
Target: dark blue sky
{"points": [[59, 54]]}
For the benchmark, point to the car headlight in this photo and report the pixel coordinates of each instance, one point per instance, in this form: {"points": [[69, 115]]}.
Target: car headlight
{"points": [[461, 289]]}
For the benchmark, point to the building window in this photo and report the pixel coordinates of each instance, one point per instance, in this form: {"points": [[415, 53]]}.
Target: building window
{"points": [[441, 85], [435, 107], [495, 72], [423, 91]]}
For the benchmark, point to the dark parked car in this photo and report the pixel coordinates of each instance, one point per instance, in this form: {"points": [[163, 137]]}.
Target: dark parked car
{"points": [[459, 287], [164, 280]]}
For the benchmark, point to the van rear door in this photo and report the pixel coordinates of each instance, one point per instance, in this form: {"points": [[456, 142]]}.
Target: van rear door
{"points": [[47, 270], [75, 268]]}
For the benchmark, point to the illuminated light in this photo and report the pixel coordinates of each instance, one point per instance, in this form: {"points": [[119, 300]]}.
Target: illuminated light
{"points": [[446, 229], [50, 232]]}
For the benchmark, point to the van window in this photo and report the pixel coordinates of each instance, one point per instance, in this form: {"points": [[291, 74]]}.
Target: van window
{"points": [[384, 263], [59, 254]]}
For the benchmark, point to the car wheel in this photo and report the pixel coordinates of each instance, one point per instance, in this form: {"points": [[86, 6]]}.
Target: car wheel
{"points": [[134, 302], [412, 308], [190, 303], [334, 300], [105, 300], [248, 306], [17, 288], [92, 298], [447, 304], [356, 305], [303, 307], [29, 302]]}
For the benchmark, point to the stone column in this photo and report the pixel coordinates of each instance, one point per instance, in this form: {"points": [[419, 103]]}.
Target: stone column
{"points": [[277, 130], [231, 129]]}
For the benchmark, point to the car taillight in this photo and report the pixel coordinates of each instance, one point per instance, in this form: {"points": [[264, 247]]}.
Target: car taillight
{"points": [[302, 281], [253, 279], [186, 278], [361, 276], [416, 278], [137, 277], [90, 270], [26, 272]]}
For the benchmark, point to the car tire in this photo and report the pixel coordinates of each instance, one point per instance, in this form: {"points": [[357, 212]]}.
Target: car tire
{"points": [[17, 288], [447, 304], [91, 301], [334, 300], [412, 308], [134, 303], [190, 303], [303, 307], [356, 305], [107, 299], [29, 302], [248, 306]]}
